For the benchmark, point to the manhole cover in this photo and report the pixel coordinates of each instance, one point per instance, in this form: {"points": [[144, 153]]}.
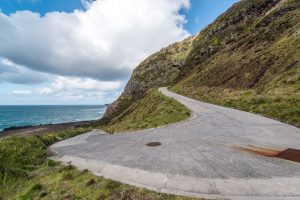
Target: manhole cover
{"points": [[153, 144]]}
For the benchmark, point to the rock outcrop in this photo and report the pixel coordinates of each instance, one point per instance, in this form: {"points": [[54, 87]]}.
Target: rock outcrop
{"points": [[254, 45]]}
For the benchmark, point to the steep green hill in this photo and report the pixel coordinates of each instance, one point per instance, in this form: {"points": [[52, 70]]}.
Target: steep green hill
{"points": [[248, 58], [160, 69]]}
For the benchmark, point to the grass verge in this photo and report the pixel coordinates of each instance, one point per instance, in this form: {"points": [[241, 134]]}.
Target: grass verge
{"points": [[26, 174], [280, 104], [52, 181], [154, 110]]}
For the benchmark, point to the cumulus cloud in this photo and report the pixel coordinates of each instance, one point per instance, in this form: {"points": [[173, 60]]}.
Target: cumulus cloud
{"points": [[69, 87], [64, 83], [13, 73], [104, 42], [87, 3]]}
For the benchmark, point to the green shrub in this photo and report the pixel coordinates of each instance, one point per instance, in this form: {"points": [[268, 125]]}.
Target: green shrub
{"points": [[215, 41]]}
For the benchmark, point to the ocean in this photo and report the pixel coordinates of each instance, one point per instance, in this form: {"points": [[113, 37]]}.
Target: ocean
{"points": [[36, 115]]}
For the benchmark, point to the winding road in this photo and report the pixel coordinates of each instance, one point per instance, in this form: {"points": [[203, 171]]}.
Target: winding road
{"points": [[218, 153]]}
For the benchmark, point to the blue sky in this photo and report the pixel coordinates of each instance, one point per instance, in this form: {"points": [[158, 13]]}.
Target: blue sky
{"points": [[199, 15], [40, 6], [203, 12], [83, 51]]}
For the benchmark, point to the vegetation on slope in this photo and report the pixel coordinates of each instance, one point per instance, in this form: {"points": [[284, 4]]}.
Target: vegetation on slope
{"points": [[25, 174], [249, 59], [160, 69], [153, 110], [255, 67], [19, 155], [53, 182]]}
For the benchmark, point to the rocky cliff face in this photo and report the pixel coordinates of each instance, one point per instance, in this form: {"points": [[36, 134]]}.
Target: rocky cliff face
{"points": [[255, 45], [161, 68], [241, 48]]}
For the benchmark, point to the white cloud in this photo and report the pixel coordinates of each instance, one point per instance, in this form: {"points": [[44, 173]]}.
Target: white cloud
{"points": [[13, 73], [22, 92], [105, 42], [64, 83], [80, 87], [87, 3]]}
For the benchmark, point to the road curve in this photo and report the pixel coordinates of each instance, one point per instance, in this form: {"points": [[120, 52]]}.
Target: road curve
{"points": [[200, 157]]}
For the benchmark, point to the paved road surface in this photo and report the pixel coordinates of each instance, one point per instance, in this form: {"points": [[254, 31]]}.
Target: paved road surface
{"points": [[198, 157]]}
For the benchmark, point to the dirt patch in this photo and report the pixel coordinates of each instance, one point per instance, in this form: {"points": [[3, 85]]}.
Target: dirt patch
{"points": [[290, 154], [286, 154], [260, 151], [153, 144]]}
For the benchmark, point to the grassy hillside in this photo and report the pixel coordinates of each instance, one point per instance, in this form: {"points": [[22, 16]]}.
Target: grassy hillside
{"points": [[255, 63], [248, 58], [153, 110], [160, 69], [26, 174]]}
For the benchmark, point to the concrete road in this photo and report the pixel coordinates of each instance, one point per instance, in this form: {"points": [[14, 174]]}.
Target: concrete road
{"points": [[200, 157]]}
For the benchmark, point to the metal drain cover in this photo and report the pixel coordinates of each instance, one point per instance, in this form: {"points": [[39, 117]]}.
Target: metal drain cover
{"points": [[153, 144]]}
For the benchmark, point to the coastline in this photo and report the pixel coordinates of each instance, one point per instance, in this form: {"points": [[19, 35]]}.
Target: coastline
{"points": [[44, 128]]}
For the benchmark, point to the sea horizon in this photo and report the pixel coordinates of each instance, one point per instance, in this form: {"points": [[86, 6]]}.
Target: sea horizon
{"points": [[53, 104], [34, 115]]}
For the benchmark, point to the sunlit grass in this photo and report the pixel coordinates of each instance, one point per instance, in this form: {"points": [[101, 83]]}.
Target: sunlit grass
{"points": [[154, 110]]}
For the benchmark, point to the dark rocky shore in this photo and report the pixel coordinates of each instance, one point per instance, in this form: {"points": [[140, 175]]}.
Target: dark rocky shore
{"points": [[42, 129]]}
